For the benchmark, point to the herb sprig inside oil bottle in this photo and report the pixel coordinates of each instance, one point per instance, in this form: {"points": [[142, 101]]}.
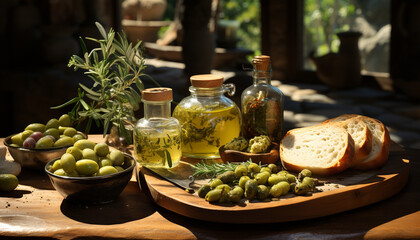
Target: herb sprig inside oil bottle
{"points": [[262, 104], [208, 118], [157, 136]]}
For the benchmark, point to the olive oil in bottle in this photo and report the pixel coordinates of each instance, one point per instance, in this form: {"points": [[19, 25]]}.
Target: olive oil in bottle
{"points": [[262, 104], [208, 119], [157, 136]]}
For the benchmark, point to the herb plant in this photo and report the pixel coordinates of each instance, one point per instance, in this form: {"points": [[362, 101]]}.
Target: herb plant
{"points": [[115, 68]]}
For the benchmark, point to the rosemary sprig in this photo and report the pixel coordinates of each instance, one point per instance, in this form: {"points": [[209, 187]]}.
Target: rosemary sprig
{"points": [[115, 67], [213, 169]]}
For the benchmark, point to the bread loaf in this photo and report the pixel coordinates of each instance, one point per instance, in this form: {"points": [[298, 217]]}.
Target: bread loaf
{"points": [[324, 149], [360, 133], [381, 142]]}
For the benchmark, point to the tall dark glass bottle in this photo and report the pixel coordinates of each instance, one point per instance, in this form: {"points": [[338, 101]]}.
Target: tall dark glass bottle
{"points": [[262, 104]]}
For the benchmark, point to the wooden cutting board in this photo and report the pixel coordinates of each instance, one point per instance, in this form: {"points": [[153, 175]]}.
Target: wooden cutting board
{"points": [[349, 190]]}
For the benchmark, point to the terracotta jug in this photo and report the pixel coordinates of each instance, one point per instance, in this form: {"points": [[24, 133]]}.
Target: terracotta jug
{"points": [[342, 69]]}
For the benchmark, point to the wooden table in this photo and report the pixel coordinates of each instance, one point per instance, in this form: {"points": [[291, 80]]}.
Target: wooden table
{"points": [[35, 209]]}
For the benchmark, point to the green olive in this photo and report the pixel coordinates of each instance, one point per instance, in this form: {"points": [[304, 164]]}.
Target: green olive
{"points": [[70, 132], [52, 132], [90, 154], [251, 187], [62, 129], [224, 197], [282, 173], [120, 169], [77, 153], [84, 143], [224, 187], [60, 172], [262, 177], [213, 195], [309, 181], [240, 171], [273, 167], [52, 123], [86, 167], [242, 181], [44, 142], [17, 139], [291, 178], [64, 120], [36, 127], [101, 149], [235, 195], [265, 169], [64, 141], [285, 186], [302, 189], [26, 134], [106, 170], [227, 177], [8, 182], [304, 173], [215, 182], [203, 190], [73, 174], [105, 162], [262, 192], [117, 157], [276, 190], [78, 137], [253, 167], [275, 178], [68, 162], [56, 165]]}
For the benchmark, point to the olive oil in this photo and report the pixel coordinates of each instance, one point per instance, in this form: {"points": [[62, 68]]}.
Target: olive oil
{"points": [[157, 136], [158, 149], [205, 130]]}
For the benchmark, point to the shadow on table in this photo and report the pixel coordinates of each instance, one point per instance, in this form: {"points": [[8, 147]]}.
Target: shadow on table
{"points": [[35, 178], [131, 205], [14, 193]]}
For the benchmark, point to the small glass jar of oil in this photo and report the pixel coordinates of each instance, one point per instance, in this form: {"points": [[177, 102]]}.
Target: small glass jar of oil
{"points": [[208, 118], [157, 136]]}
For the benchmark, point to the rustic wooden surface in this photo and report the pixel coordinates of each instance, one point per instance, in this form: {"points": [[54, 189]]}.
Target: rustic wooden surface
{"points": [[36, 210], [364, 188]]}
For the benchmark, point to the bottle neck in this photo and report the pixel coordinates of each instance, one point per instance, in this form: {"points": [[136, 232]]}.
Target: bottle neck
{"points": [[157, 109], [261, 77], [213, 92]]}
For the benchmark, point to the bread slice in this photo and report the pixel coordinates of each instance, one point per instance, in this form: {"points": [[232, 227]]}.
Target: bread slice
{"points": [[324, 149], [381, 142], [360, 133]]}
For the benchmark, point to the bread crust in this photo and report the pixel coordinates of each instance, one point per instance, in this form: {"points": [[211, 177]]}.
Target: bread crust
{"points": [[343, 162], [379, 159], [361, 150]]}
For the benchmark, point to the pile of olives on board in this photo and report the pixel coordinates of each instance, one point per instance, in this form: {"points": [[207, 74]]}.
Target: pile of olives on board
{"points": [[256, 182], [55, 133], [88, 159]]}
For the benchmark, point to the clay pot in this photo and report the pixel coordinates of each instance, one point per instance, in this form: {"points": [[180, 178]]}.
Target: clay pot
{"points": [[342, 69]]}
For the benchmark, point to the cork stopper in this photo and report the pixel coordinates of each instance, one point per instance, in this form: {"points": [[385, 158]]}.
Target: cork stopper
{"points": [[261, 63], [206, 80], [157, 94]]}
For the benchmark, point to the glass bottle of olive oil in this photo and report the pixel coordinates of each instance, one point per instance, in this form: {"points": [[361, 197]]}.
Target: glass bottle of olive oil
{"points": [[208, 119], [262, 104], [157, 136]]}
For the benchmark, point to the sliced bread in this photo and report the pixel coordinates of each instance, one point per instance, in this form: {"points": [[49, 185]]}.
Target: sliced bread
{"points": [[360, 133], [381, 142], [324, 149]]}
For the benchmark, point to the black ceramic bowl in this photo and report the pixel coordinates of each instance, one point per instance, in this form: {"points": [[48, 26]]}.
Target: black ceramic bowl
{"points": [[32, 157], [93, 190]]}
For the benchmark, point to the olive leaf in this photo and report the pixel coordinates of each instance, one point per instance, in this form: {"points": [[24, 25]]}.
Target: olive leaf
{"points": [[115, 67]]}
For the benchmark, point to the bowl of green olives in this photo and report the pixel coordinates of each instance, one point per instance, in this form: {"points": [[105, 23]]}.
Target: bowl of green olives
{"points": [[40, 143], [91, 174]]}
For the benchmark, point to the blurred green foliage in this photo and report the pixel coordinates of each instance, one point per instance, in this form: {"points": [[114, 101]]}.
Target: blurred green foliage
{"points": [[322, 20], [247, 13]]}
